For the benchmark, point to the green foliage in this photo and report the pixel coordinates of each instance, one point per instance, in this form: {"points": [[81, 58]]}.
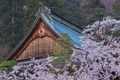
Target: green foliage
{"points": [[68, 9], [117, 33], [63, 45], [62, 50], [60, 63], [5, 66], [8, 64], [61, 60], [93, 11], [11, 27], [116, 9]]}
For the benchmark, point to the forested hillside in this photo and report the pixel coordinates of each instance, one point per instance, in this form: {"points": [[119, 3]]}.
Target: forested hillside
{"points": [[17, 16]]}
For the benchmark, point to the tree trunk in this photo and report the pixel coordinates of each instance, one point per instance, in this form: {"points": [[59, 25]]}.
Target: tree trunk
{"points": [[13, 9]]}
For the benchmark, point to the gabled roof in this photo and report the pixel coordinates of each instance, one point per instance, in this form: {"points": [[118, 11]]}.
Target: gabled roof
{"points": [[55, 23], [59, 24]]}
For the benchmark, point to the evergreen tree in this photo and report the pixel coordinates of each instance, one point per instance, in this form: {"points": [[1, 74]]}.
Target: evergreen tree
{"points": [[11, 23], [92, 11], [62, 50], [68, 9], [116, 9], [64, 45], [29, 14], [7, 65]]}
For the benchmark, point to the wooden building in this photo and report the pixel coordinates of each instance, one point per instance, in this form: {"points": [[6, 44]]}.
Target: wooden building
{"points": [[41, 39]]}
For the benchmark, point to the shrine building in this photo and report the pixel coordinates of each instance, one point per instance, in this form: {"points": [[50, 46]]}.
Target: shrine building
{"points": [[41, 39]]}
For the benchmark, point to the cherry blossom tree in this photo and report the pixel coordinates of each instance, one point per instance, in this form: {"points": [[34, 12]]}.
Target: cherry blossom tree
{"points": [[97, 61], [106, 30]]}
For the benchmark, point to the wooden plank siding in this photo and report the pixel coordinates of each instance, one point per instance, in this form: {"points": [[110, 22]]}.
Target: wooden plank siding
{"points": [[39, 43], [39, 47]]}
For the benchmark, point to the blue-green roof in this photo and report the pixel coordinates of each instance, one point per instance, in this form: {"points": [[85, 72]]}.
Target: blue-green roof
{"points": [[61, 25], [60, 28]]}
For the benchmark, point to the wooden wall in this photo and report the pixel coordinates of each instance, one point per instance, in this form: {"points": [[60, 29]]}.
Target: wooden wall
{"points": [[39, 47], [38, 43]]}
